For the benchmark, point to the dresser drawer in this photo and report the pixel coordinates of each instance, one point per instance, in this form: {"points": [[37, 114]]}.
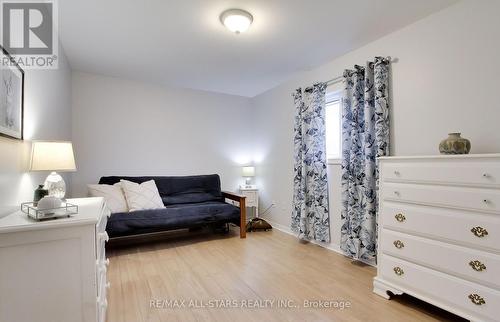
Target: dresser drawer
{"points": [[102, 290], [487, 200], [463, 172], [444, 224], [102, 305], [103, 220], [101, 240], [474, 265], [251, 197], [442, 289], [102, 282]]}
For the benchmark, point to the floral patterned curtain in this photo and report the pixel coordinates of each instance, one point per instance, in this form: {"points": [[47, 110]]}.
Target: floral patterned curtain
{"points": [[310, 217], [365, 136]]}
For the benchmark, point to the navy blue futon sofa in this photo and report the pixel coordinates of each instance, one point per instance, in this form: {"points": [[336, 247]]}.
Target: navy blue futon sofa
{"points": [[190, 202]]}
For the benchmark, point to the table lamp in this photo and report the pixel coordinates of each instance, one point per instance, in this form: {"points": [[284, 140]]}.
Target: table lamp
{"points": [[248, 173], [53, 156]]}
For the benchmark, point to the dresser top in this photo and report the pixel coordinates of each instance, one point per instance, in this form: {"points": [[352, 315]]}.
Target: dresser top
{"points": [[443, 157], [89, 212]]}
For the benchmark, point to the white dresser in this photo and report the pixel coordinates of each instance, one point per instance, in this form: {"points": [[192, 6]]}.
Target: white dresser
{"points": [[54, 271], [439, 232]]}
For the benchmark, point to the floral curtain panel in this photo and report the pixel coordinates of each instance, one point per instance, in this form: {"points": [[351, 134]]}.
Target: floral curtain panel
{"points": [[365, 136], [310, 217]]}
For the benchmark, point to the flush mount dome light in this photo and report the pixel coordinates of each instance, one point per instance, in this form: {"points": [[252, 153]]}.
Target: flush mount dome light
{"points": [[236, 20]]}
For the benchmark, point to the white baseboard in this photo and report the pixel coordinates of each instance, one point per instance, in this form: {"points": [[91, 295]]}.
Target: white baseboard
{"points": [[287, 230], [332, 247]]}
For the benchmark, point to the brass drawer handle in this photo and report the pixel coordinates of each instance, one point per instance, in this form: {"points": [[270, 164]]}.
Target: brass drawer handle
{"points": [[398, 271], [476, 299], [400, 217], [398, 244], [479, 231], [477, 266]]}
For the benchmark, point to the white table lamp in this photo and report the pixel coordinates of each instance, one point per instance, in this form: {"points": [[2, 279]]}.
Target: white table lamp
{"points": [[53, 156], [248, 173]]}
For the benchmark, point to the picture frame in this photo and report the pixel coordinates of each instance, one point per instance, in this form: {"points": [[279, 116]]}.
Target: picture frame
{"points": [[11, 97]]}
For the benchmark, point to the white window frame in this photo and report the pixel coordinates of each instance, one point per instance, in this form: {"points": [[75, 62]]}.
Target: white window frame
{"points": [[334, 96]]}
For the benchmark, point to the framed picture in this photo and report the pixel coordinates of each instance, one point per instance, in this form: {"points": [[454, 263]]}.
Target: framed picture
{"points": [[11, 97]]}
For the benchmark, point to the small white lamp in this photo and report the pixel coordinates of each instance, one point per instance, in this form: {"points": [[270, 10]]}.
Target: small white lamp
{"points": [[248, 173], [53, 156]]}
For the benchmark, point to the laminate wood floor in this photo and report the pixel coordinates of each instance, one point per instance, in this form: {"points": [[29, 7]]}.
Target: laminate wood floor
{"points": [[223, 272]]}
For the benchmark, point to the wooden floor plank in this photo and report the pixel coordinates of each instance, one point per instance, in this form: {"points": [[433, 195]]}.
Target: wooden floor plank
{"points": [[264, 266]]}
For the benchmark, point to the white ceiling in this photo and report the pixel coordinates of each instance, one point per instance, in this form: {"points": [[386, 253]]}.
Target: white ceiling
{"points": [[182, 43]]}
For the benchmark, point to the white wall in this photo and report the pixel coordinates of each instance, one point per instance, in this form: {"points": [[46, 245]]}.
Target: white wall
{"points": [[445, 80], [47, 116], [123, 127]]}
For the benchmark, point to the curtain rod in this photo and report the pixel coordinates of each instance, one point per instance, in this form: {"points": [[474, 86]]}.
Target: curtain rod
{"points": [[341, 77]]}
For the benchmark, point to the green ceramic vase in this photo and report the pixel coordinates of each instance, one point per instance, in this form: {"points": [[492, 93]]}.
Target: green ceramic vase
{"points": [[454, 144]]}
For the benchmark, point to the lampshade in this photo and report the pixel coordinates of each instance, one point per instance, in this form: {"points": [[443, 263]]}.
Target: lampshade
{"points": [[52, 156], [248, 172]]}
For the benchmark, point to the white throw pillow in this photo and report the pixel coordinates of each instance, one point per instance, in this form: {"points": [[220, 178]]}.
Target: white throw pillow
{"points": [[112, 194], [142, 196]]}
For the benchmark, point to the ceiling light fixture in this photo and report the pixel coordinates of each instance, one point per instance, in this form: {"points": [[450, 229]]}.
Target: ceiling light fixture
{"points": [[236, 20]]}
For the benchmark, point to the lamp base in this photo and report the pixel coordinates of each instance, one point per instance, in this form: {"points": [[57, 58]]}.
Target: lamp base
{"points": [[55, 185]]}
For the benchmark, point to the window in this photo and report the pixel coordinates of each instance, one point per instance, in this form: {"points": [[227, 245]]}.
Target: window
{"points": [[333, 117]]}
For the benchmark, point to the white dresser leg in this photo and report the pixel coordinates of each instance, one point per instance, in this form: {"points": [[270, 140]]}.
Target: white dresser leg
{"points": [[381, 288]]}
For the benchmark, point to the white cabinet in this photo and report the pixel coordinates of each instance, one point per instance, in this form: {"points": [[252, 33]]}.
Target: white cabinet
{"points": [[252, 198], [54, 270], [439, 232]]}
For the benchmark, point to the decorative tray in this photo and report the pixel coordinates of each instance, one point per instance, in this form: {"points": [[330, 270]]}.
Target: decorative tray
{"points": [[65, 210]]}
